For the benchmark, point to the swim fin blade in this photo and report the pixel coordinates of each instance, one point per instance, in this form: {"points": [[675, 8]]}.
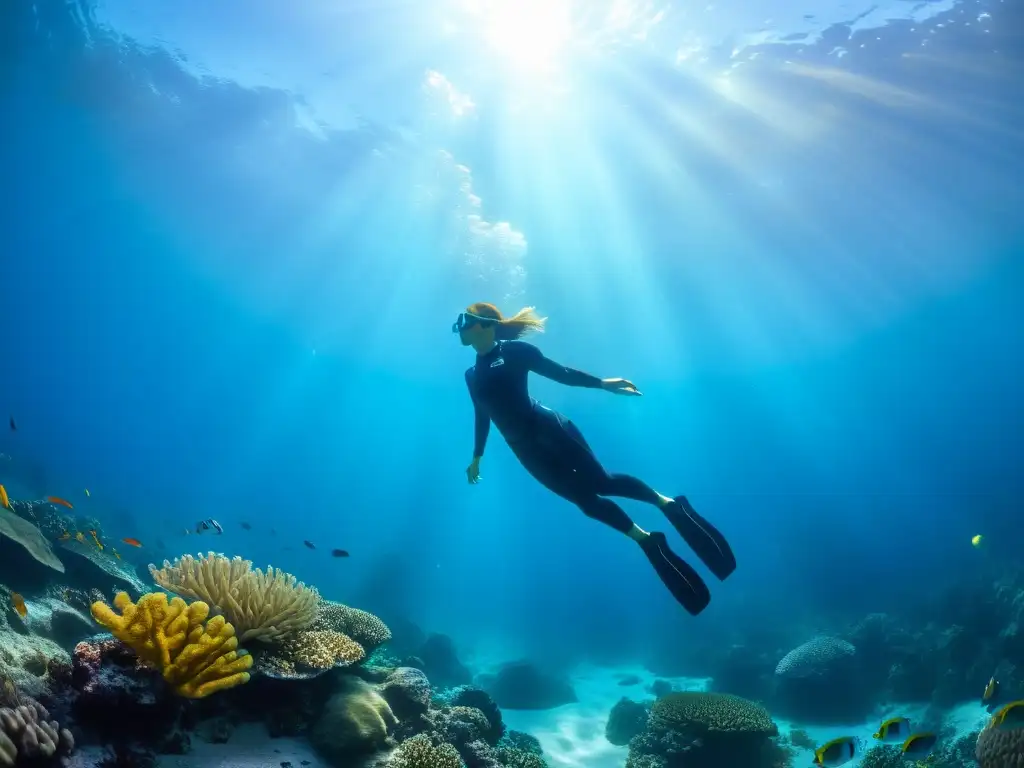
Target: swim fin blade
{"points": [[685, 584], [704, 539]]}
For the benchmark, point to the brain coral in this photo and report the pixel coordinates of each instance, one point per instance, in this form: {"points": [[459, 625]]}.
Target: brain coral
{"points": [[1000, 748], [814, 657]]}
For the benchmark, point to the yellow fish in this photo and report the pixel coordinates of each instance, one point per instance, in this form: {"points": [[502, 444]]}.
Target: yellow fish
{"points": [[3, 498], [18, 604], [836, 752], [114, 553], [893, 731], [920, 745], [1010, 716], [87, 492], [976, 540], [80, 537], [64, 536]]}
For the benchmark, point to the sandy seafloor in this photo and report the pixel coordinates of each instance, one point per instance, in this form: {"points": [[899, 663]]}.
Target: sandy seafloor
{"points": [[572, 735]]}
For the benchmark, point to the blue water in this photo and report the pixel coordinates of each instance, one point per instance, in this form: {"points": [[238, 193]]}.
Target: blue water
{"points": [[235, 237]]}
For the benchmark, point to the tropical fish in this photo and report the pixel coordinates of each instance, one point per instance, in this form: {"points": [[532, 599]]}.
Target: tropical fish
{"points": [[114, 553], [96, 540], [893, 731], [991, 691], [1010, 716], [976, 540], [64, 536], [3, 498], [80, 536], [14, 426], [920, 745], [207, 524], [339, 553], [132, 542], [836, 752], [87, 492], [18, 604], [309, 544], [59, 500], [245, 526]]}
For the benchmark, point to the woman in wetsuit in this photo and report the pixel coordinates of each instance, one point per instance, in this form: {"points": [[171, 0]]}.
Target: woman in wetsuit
{"points": [[554, 451]]}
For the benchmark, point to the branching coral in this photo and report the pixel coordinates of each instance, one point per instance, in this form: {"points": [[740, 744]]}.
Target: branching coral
{"points": [[28, 734], [365, 628], [706, 730], [421, 752], [262, 606], [196, 659], [712, 712]]}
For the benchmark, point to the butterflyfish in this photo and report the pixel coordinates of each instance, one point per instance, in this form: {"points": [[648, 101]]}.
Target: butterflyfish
{"points": [[920, 745], [3, 498], [893, 731], [1009, 716], [836, 752]]}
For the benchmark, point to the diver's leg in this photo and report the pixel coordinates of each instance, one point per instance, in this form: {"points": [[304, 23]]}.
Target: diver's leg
{"points": [[704, 539], [549, 468]]}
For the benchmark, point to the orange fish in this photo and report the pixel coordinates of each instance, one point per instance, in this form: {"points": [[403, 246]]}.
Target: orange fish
{"points": [[18, 604], [133, 542], [3, 498], [59, 500]]}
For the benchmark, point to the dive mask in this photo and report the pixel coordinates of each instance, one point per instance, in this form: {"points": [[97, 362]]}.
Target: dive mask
{"points": [[468, 318]]}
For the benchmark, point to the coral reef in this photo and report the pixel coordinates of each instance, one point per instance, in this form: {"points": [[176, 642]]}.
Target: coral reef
{"points": [[807, 677], [24, 533], [195, 656], [322, 649], [260, 605], [28, 735], [407, 691], [364, 628], [421, 752], [706, 730], [1000, 748], [356, 720], [28, 662], [627, 719]]}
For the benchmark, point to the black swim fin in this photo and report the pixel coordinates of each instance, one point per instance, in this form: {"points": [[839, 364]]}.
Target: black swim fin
{"points": [[685, 584], [704, 539]]}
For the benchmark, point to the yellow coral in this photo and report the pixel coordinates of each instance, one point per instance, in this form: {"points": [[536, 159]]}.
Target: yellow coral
{"points": [[195, 656]]}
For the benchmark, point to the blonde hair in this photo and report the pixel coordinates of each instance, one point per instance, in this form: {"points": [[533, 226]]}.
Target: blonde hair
{"points": [[525, 321]]}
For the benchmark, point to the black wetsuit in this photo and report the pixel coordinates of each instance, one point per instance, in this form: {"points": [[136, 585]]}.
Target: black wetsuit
{"points": [[549, 445]]}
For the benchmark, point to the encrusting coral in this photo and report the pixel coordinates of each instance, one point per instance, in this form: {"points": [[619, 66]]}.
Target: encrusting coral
{"points": [[27, 734], [322, 649], [195, 656], [365, 628], [261, 606]]}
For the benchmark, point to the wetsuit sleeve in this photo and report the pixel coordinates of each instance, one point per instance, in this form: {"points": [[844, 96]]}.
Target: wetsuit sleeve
{"points": [[481, 420], [549, 369]]}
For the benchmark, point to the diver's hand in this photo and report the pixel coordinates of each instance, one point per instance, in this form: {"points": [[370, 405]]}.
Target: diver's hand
{"points": [[621, 387], [473, 472]]}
